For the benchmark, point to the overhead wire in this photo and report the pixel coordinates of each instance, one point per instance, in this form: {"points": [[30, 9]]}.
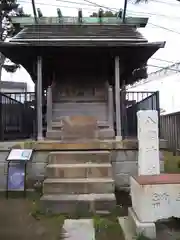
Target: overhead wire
{"points": [[91, 3], [164, 68], [95, 5], [63, 6], [167, 3], [162, 60]]}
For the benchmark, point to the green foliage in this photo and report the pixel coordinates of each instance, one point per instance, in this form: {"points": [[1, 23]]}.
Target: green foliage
{"points": [[8, 5], [104, 14], [141, 237], [107, 228], [171, 163]]}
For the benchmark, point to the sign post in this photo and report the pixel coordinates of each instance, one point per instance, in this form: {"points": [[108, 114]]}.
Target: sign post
{"points": [[16, 170]]}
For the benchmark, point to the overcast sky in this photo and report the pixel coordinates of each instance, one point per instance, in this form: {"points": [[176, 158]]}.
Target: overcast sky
{"points": [[163, 25]]}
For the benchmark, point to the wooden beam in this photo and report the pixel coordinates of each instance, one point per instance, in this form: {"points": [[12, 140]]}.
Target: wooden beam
{"points": [[137, 22]]}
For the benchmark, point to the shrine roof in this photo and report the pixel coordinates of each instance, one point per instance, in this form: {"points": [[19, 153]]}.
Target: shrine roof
{"points": [[71, 43], [79, 34]]}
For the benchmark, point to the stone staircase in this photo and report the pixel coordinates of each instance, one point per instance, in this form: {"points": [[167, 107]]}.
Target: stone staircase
{"points": [[78, 182], [96, 110], [56, 133]]}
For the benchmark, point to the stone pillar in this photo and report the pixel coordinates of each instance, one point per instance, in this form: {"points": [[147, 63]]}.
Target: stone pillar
{"points": [[39, 99], [117, 98], [49, 108], [148, 142], [110, 107]]}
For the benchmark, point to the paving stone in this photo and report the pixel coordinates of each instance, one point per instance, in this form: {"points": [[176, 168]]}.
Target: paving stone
{"points": [[79, 229]]}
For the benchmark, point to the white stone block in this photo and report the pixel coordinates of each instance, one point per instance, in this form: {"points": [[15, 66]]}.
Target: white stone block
{"points": [[148, 143], [148, 117], [148, 161], [152, 202]]}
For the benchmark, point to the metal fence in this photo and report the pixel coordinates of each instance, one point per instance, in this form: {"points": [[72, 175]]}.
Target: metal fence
{"points": [[22, 97], [132, 102], [17, 119], [170, 130]]}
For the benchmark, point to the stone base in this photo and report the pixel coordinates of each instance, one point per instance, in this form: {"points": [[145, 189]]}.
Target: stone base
{"points": [[132, 227], [78, 204], [147, 229]]}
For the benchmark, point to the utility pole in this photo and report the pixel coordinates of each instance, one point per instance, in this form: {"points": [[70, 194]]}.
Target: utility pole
{"points": [[34, 12], [124, 12]]}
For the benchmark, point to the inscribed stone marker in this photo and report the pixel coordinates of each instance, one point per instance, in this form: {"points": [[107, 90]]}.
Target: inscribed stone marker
{"points": [[148, 143]]}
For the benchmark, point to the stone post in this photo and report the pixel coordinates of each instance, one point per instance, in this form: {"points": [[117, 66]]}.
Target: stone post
{"points": [[49, 108], [148, 142]]}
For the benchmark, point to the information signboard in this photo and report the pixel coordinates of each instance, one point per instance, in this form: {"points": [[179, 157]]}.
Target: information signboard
{"points": [[19, 155], [16, 169]]}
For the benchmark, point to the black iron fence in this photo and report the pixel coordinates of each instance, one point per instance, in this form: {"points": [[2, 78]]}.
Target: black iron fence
{"points": [[131, 103], [23, 97], [17, 119], [170, 130]]}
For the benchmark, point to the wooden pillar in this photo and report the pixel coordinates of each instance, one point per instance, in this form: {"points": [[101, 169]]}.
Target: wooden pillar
{"points": [[110, 107], [117, 99], [49, 108], [39, 99]]}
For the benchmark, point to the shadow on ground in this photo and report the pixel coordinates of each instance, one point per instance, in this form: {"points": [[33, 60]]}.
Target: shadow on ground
{"points": [[17, 222], [20, 220]]}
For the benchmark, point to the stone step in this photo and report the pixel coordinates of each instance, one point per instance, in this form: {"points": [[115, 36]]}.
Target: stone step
{"points": [[78, 185], [55, 134], [74, 157], [84, 170], [58, 124], [78, 203], [58, 134]]}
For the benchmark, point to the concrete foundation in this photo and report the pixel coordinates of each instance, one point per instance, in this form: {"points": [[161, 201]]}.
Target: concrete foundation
{"points": [[132, 227], [123, 158]]}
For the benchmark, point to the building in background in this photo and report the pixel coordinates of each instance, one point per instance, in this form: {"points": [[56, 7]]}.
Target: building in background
{"points": [[167, 82], [13, 87]]}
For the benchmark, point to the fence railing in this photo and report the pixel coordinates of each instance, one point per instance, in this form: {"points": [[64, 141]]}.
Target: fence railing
{"points": [[170, 130], [131, 103], [21, 96], [17, 119]]}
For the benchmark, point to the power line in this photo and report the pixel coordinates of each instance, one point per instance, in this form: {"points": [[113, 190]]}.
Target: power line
{"points": [[171, 4], [158, 59], [167, 29], [96, 5], [55, 5], [164, 68], [150, 75], [80, 3], [102, 6]]}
